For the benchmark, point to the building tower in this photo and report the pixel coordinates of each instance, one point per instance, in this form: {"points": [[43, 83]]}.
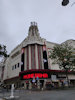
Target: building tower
{"points": [[33, 53]]}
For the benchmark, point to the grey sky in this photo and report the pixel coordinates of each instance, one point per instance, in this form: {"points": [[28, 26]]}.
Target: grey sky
{"points": [[56, 23]]}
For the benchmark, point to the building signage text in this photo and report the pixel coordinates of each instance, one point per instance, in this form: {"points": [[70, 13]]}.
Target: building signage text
{"points": [[39, 75]]}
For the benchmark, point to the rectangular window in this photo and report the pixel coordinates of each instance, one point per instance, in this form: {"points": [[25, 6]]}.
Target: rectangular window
{"points": [[18, 65], [15, 66], [12, 67]]}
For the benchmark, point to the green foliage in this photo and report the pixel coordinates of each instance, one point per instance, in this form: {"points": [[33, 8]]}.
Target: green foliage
{"points": [[3, 51], [63, 55]]}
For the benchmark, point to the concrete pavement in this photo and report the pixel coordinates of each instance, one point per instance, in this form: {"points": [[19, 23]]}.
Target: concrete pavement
{"points": [[44, 95]]}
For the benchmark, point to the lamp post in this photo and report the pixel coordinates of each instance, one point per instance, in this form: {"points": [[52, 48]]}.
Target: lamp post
{"points": [[65, 65], [65, 2]]}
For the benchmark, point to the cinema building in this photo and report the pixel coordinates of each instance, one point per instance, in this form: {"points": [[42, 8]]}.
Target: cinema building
{"points": [[28, 64]]}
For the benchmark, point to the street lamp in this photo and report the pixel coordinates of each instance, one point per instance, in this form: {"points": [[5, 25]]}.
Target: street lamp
{"points": [[65, 64], [65, 2]]}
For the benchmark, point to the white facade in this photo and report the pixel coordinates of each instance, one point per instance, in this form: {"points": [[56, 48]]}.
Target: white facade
{"points": [[11, 69], [33, 40]]}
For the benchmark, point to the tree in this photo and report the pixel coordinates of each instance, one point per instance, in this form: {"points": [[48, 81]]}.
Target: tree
{"points": [[3, 51], [64, 56]]}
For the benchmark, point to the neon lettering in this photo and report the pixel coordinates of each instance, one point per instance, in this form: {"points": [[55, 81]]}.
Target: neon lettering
{"points": [[35, 75]]}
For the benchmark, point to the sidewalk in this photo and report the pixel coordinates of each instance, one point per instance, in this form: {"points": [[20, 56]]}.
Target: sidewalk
{"points": [[23, 92]]}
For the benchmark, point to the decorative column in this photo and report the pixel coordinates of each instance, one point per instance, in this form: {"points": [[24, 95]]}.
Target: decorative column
{"points": [[25, 59], [33, 62], [29, 57], [44, 86], [38, 84], [36, 56], [42, 57], [24, 85], [30, 85]]}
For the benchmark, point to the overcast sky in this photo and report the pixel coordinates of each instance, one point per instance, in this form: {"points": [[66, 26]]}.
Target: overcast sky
{"points": [[55, 22]]}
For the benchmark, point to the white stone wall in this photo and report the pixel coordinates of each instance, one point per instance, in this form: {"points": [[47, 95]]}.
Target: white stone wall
{"points": [[49, 46], [36, 39], [10, 62]]}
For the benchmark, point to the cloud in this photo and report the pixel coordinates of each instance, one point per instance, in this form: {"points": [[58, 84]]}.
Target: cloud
{"points": [[56, 23]]}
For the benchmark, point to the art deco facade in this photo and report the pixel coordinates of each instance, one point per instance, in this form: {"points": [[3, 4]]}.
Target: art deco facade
{"points": [[29, 62]]}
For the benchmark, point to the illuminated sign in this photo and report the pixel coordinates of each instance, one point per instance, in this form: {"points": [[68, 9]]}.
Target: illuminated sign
{"points": [[39, 75]]}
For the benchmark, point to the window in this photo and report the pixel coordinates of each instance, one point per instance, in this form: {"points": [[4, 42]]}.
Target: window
{"points": [[15, 66], [12, 67], [18, 65]]}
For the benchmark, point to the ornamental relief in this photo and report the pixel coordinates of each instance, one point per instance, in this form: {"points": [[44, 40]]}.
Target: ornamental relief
{"points": [[32, 40]]}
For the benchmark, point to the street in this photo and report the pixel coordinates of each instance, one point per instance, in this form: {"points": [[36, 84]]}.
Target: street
{"points": [[43, 95]]}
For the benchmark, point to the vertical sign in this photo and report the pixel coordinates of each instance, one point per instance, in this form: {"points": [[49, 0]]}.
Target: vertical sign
{"points": [[22, 59], [45, 57]]}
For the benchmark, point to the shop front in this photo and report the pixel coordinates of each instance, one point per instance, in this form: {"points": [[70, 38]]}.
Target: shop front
{"points": [[34, 79], [71, 79], [42, 78]]}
